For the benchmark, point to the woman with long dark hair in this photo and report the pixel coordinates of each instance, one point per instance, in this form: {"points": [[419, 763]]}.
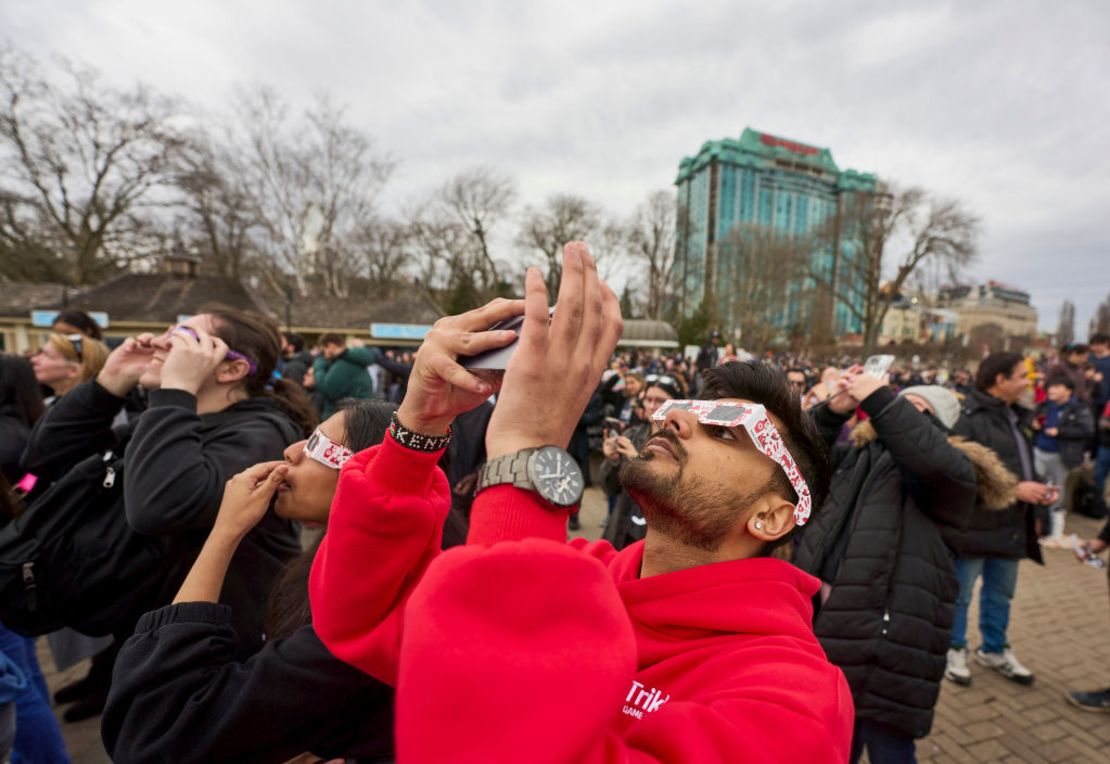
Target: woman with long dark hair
{"points": [[179, 692], [212, 413], [20, 407]]}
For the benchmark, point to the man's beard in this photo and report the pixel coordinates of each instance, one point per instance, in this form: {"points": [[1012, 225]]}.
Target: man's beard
{"points": [[692, 513]]}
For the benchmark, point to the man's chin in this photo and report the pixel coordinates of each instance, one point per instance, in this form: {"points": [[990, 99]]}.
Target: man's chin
{"points": [[647, 476]]}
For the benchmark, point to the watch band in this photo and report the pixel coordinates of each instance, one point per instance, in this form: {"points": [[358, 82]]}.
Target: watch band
{"points": [[418, 441], [510, 468]]}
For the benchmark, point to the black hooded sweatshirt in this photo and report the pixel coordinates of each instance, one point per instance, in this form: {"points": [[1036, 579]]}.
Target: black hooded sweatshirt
{"points": [[175, 464], [178, 695]]}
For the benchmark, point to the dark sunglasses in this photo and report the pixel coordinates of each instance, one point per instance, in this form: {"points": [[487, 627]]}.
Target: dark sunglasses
{"points": [[78, 342]]}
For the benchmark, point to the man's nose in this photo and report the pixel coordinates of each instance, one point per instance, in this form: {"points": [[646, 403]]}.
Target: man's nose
{"points": [[682, 421]]}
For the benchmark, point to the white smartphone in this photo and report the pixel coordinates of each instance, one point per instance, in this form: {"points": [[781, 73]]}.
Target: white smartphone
{"points": [[878, 366]]}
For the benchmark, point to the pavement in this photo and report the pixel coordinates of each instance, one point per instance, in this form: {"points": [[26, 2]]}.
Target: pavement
{"points": [[1059, 628]]}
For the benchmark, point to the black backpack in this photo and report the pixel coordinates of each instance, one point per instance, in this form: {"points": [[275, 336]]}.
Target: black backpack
{"points": [[71, 559]]}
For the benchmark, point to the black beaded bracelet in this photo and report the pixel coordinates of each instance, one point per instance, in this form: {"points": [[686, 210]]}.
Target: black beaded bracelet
{"points": [[418, 441]]}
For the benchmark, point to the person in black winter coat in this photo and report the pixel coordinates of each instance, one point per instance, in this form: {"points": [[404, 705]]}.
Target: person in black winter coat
{"points": [[20, 407], [179, 692], [1071, 422], [210, 416], [1063, 428], [295, 359], [709, 355], [626, 522], [994, 542], [889, 578]]}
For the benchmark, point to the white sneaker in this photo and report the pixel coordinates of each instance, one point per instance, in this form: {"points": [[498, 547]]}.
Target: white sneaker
{"points": [[1006, 664], [957, 670]]}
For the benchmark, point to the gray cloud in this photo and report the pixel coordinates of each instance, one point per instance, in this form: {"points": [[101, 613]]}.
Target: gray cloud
{"points": [[1002, 104]]}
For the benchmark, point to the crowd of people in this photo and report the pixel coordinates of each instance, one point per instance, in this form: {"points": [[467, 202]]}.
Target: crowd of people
{"points": [[278, 553]]}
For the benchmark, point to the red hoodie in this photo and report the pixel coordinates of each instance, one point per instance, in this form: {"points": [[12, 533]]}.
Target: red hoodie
{"points": [[536, 650]]}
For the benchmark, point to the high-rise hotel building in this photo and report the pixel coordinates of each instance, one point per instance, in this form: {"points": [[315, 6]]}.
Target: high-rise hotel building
{"points": [[768, 182]]}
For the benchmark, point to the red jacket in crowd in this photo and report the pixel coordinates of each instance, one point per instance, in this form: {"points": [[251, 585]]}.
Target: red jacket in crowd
{"points": [[520, 647]]}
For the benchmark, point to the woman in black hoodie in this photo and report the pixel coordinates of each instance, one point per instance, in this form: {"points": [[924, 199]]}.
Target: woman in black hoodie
{"points": [[179, 694], [212, 413]]}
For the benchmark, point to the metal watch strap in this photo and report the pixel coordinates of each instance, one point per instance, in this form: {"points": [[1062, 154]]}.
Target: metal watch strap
{"points": [[510, 468]]}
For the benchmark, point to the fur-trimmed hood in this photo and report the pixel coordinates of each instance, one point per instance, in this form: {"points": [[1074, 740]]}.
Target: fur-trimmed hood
{"points": [[997, 486]]}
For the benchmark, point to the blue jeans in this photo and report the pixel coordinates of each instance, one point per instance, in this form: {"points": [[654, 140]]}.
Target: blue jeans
{"points": [[885, 745], [1102, 469], [37, 737], [999, 582]]}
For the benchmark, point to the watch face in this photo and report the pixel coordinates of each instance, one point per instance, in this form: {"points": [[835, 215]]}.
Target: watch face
{"points": [[556, 476]]}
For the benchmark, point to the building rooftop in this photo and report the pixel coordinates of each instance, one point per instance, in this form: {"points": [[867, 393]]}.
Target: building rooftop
{"points": [[19, 298], [648, 333], [161, 297], [355, 312], [755, 148]]}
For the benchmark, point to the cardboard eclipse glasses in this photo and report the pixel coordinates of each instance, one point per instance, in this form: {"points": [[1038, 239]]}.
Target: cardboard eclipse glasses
{"points": [[323, 449], [232, 355], [753, 418]]}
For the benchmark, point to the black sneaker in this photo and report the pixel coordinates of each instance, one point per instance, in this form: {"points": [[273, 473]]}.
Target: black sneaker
{"points": [[86, 708], [75, 690], [573, 524], [1091, 701]]}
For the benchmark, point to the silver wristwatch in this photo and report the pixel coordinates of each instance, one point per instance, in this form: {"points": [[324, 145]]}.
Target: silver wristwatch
{"points": [[549, 471]]}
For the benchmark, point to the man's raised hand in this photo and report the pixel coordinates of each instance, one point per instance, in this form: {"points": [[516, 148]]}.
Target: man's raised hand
{"points": [[439, 388], [557, 366]]}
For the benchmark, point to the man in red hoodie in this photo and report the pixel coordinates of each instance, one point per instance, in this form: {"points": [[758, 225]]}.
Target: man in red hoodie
{"points": [[693, 645]]}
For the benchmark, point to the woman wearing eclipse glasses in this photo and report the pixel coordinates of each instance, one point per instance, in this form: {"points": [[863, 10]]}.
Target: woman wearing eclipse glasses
{"points": [[212, 413], [185, 651], [66, 360]]}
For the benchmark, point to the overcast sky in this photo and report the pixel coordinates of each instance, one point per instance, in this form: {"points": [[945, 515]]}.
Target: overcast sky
{"points": [[1002, 103]]}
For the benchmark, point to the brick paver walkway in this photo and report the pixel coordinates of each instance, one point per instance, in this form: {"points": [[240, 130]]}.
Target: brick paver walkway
{"points": [[1060, 628]]}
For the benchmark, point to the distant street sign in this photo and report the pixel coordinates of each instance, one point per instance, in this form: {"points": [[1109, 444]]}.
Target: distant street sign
{"points": [[399, 331], [46, 318]]}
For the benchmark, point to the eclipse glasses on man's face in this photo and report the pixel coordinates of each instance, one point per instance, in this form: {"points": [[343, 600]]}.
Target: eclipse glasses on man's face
{"points": [[232, 355], [323, 449], [753, 418]]}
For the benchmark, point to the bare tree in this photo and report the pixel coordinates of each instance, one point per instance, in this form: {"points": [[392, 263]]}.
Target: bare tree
{"points": [[386, 247], [83, 164], [562, 219], [921, 228], [443, 258], [312, 183], [25, 251], [219, 214], [651, 240], [451, 234], [759, 276], [480, 199], [1100, 322], [1065, 329]]}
